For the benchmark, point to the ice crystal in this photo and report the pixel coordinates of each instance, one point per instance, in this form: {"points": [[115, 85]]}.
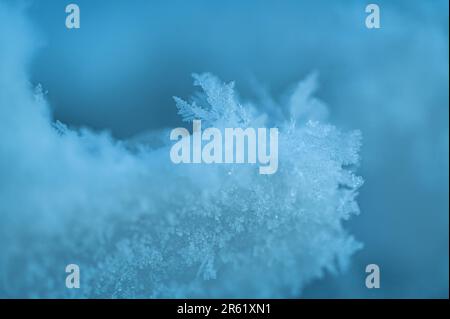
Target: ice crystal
{"points": [[140, 226]]}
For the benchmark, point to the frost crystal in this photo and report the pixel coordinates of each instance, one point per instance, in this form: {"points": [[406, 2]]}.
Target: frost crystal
{"points": [[138, 225], [141, 226], [220, 98]]}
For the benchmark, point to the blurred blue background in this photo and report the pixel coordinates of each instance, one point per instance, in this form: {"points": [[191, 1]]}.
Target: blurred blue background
{"points": [[121, 69]]}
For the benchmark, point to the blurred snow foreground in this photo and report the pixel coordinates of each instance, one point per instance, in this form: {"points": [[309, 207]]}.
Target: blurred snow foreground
{"points": [[140, 226]]}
